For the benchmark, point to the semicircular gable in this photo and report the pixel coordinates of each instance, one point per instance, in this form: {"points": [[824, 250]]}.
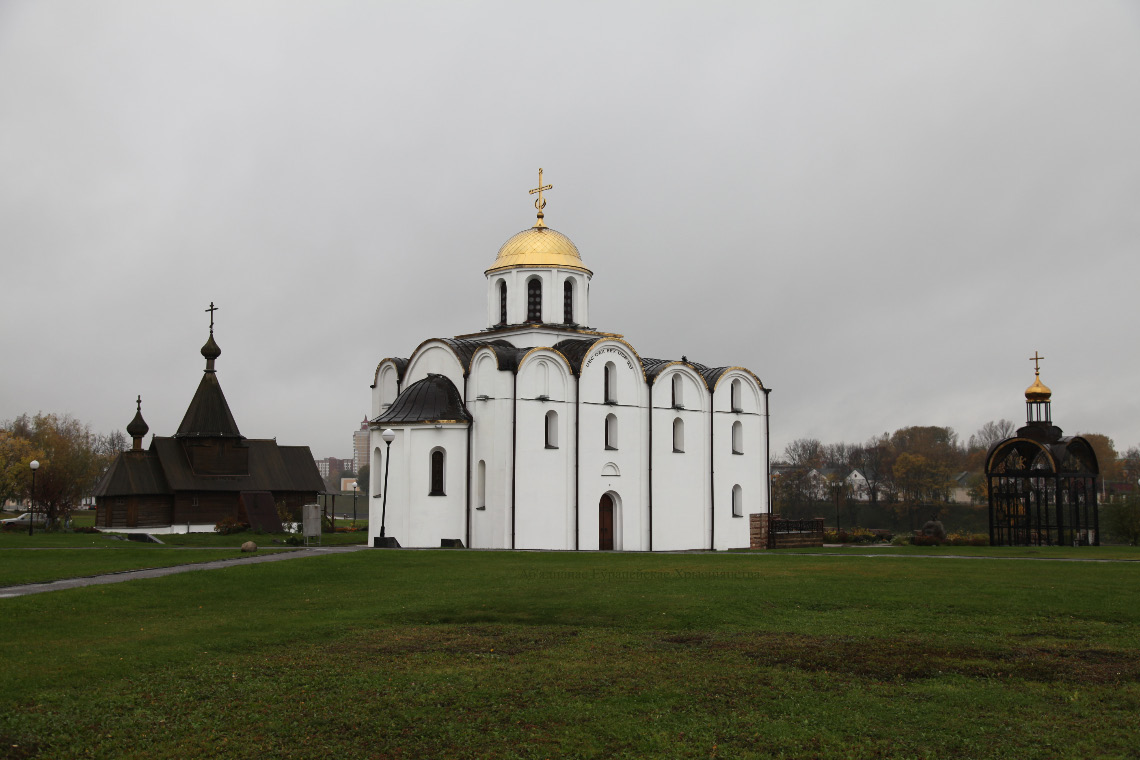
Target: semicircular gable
{"points": [[668, 368], [1084, 453], [634, 359], [1026, 450], [400, 365], [432, 352]]}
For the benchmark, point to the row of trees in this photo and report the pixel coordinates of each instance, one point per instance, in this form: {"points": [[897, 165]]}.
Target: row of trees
{"points": [[72, 460], [911, 473]]}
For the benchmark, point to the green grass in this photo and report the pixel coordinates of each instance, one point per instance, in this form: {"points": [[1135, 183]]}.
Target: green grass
{"points": [[477, 654], [21, 566], [1029, 552]]}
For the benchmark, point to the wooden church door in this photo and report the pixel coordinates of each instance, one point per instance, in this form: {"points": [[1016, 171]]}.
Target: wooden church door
{"points": [[606, 523]]}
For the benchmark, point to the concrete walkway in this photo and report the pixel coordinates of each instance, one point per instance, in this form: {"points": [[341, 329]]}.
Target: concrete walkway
{"points": [[7, 592]]}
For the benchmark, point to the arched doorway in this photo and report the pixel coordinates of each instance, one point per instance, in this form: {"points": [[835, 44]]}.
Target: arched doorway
{"points": [[606, 523]]}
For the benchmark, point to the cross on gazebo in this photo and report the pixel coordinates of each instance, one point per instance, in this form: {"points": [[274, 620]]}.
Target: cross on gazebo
{"points": [[1036, 363], [212, 309]]}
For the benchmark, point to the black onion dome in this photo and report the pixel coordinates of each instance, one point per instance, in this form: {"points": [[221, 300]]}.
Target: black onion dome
{"points": [[138, 427], [433, 399], [211, 350]]}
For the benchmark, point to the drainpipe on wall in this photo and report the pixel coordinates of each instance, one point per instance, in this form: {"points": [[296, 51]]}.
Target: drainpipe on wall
{"points": [[577, 446], [470, 427], [514, 446], [651, 467], [712, 475]]}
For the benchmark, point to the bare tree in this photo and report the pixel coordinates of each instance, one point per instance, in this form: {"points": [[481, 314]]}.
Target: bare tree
{"points": [[990, 433]]}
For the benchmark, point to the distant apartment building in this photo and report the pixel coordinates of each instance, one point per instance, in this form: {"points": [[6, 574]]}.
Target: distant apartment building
{"points": [[360, 446], [332, 465]]}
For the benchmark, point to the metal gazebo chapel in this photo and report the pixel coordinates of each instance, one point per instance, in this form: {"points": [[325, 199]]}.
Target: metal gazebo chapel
{"points": [[1042, 485]]}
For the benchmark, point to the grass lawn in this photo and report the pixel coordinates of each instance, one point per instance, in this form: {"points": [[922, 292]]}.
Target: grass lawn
{"points": [[1006, 552], [386, 654]]}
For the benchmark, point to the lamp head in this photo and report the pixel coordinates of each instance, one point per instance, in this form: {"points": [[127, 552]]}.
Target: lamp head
{"points": [[388, 435], [35, 465]]}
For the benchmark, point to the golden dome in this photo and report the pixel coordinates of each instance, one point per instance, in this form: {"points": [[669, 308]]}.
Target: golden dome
{"points": [[1038, 391], [539, 246]]}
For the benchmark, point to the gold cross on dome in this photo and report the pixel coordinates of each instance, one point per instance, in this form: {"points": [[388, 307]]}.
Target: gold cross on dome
{"points": [[1036, 362], [212, 309], [540, 202]]}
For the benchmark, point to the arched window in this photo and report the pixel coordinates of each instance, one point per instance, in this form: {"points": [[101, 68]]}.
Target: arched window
{"points": [[678, 391], [568, 302], [611, 383], [437, 458], [735, 395], [481, 485], [611, 431], [737, 438], [678, 436], [534, 301], [737, 502], [552, 429], [502, 302]]}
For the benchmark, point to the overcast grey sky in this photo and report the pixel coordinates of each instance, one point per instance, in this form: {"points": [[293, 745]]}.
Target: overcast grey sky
{"points": [[882, 208]]}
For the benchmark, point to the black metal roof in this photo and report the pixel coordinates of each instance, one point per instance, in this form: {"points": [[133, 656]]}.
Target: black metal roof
{"points": [[433, 399], [575, 349], [208, 414]]}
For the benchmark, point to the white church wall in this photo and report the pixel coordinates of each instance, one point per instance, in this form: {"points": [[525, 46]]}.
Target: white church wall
{"points": [[681, 480], [544, 484], [553, 297], [385, 390], [629, 457], [746, 469], [434, 357], [490, 444]]}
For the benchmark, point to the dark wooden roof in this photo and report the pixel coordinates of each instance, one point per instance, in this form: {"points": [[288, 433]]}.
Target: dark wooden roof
{"points": [[433, 399], [134, 473], [271, 468], [208, 414]]}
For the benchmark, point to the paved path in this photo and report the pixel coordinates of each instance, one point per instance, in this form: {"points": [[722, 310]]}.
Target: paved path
{"points": [[158, 572]]}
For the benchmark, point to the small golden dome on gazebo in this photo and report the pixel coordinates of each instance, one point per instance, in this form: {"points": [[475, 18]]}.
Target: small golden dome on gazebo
{"points": [[539, 246], [1038, 391]]}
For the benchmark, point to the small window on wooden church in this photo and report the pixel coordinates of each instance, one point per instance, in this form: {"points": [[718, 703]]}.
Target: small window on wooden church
{"points": [[610, 376], [611, 432], [481, 488], [678, 392], [534, 301], [736, 395], [737, 438], [552, 429], [502, 302], [737, 502], [436, 473], [568, 302], [678, 436]]}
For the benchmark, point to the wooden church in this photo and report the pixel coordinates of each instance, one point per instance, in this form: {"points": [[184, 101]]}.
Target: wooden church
{"points": [[206, 472]]}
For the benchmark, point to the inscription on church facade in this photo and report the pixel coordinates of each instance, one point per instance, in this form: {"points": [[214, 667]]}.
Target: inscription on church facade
{"points": [[611, 350]]}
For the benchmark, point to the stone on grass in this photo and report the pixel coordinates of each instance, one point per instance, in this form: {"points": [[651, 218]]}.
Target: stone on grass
{"points": [[249, 546], [934, 528]]}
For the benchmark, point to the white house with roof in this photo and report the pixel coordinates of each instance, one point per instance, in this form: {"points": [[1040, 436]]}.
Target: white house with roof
{"points": [[539, 432]]}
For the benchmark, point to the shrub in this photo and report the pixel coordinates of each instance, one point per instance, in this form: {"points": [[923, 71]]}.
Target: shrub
{"points": [[900, 541], [922, 540], [967, 539], [230, 525], [85, 529]]}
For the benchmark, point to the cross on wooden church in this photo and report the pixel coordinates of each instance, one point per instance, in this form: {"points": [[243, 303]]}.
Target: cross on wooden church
{"points": [[212, 309], [539, 202], [1036, 362]]}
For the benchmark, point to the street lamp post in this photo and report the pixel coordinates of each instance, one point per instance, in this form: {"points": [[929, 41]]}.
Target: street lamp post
{"points": [[388, 435], [35, 465], [354, 502]]}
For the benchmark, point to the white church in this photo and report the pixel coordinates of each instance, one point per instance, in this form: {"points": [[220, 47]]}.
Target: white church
{"points": [[538, 432]]}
